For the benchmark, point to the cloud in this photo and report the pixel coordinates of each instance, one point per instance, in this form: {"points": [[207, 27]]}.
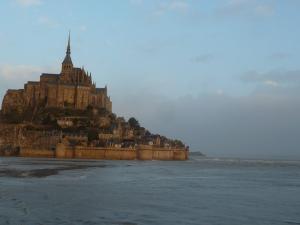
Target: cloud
{"points": [[17, 75], [220, 91], [14, 76], [273, 78], [246, 8], [264, 10], [27, 3], [233, 7], [202, 58], [19, 72], [136, 2], [280, 56], [178, 6], [46, 21], [271, 83], [154, 46], [82, 28]]}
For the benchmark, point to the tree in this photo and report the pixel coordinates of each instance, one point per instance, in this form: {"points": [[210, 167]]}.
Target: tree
{"points": [[178, 143], [133, 123]]}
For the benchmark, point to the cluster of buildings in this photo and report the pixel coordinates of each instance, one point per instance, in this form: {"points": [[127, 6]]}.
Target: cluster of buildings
{"points": [[111, 132]]}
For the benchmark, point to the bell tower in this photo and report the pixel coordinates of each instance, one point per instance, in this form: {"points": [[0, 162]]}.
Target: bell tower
{"points": [[67, 64]]}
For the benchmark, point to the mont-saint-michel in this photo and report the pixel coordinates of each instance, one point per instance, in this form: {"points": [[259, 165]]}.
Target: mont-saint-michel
{"points": [[65, 115]]}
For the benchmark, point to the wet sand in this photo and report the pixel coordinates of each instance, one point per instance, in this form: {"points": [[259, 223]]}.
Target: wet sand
{"points": [[41, 172]]}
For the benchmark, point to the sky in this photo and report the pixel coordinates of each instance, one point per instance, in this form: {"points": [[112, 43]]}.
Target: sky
{"points": [[221, 75]]}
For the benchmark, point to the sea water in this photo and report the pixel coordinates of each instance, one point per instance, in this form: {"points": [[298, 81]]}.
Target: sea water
{"points": [[199, 191]]}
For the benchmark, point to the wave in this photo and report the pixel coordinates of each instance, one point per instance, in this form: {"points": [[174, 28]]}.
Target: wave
{"points": [[245, 161]]}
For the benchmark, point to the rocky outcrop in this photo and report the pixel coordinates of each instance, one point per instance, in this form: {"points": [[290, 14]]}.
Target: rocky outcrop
{"points": [[13, 101]]}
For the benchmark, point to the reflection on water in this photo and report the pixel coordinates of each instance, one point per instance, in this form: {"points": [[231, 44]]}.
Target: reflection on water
{"points": [[198, 191]]}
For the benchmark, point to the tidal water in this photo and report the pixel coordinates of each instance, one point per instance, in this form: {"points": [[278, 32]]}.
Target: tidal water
{"points": [[199, 191]]}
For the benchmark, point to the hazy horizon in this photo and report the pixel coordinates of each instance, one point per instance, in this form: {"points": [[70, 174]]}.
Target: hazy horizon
{"points": [[223, 76]]}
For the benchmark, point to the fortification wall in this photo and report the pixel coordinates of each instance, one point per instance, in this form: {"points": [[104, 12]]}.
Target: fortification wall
{"points": [[104, 154], [145, 154], [120, 153], [180, 155], [96, 153], [64, 152], [15, 141], [89, 154], [9, 152], [39, 153], [162, 154]]}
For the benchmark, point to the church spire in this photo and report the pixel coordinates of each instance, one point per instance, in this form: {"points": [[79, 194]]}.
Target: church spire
{"points": [[68, 60], [69, 45]]}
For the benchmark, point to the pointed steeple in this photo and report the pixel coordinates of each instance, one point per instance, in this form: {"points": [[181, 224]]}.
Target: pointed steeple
{"points": [[68, 59], [69, 45]]}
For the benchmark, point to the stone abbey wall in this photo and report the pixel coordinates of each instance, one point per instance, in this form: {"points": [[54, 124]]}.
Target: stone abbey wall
{"points": [[54, 95]]}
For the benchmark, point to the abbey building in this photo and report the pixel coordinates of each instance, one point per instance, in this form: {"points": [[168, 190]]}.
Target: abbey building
{"points": [[71, 88]]}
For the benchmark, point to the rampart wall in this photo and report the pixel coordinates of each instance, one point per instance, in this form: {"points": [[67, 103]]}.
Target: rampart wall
{"points": [[42, 144], [120, 153], [100, 153], [43, 153]]}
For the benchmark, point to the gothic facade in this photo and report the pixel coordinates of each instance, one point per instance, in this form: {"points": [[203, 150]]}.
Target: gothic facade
{"points": [[72, 87]]}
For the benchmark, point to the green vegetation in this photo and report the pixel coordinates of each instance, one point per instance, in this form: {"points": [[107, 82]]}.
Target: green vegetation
{"points": [[133, 123], [178, 143]]}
